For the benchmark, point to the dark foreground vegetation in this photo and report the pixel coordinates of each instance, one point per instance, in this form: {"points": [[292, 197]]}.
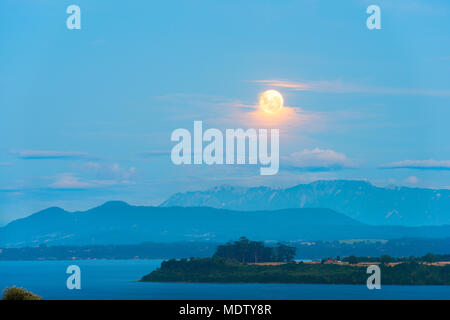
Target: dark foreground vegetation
{"points": [[245, 250], [248, 261], [14, 293], [220, 270], [385, 259]]}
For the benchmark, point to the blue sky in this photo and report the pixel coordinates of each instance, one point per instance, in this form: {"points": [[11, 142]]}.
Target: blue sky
{"points": [[86, 115]]}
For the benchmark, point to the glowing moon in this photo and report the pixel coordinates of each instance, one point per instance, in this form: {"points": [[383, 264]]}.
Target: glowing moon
{"points": [[271, 101]]}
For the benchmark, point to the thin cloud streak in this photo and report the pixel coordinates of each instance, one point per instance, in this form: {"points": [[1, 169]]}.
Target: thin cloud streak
{"points": [[418, 164], [317, 160], [46, 154], [339, 86]]}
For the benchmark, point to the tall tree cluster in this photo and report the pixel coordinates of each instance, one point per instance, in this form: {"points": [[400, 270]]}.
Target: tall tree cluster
{"points": [[246, 251]]}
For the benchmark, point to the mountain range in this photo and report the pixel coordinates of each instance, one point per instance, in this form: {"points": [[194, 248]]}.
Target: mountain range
{"points": [[359, 200], [117, 222]]}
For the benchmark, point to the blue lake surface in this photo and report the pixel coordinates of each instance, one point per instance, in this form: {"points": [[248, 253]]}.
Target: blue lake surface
{"points": [[115, 279]]}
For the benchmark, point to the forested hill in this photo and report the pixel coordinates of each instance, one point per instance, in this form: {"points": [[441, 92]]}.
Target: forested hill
{"points": [[121, 223]]}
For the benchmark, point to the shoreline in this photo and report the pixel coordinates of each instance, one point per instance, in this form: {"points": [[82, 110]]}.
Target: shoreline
{"points": [[296, 283]]}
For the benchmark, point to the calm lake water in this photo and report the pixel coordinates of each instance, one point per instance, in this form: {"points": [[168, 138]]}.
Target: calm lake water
{"points": [[114, 279]]}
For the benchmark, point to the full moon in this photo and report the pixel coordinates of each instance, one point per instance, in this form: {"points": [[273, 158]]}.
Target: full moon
{"points": [[271, 101]]}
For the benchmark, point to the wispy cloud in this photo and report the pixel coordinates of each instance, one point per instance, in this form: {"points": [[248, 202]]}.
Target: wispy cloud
{"points": [[418, 164], [317, 160], [46, 154], [339, 86], [411, 180], [297, 86], [109, 171], [225, 112], [69, 181], [93, 176]]}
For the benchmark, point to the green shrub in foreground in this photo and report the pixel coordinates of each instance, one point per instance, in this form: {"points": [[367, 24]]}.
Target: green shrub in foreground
{"points": [[14, 293]]}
